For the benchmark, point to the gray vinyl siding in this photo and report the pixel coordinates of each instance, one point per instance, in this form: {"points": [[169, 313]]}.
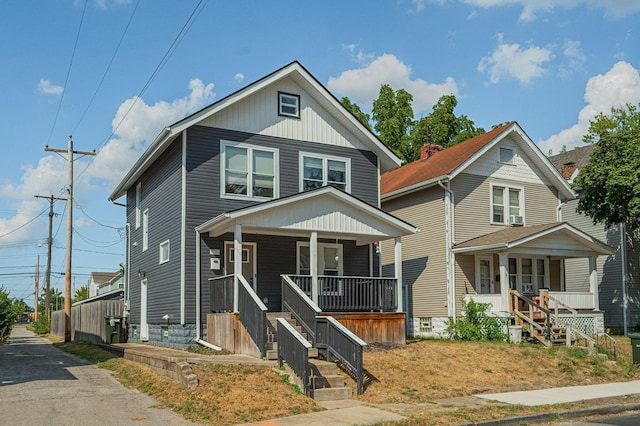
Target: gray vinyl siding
{"points": [[609, 267], [424, 254], [633, 283], [276, 255], [161, 194], [473, 204]]}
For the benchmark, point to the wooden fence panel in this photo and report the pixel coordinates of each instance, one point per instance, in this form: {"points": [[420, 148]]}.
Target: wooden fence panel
{"points": [[87, 320]]}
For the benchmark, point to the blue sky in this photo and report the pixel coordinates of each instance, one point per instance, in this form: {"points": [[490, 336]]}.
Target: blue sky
{"points": [[113, 73]]}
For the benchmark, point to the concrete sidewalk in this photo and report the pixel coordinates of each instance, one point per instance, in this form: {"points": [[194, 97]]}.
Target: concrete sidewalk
{"points": [[567, 394]]}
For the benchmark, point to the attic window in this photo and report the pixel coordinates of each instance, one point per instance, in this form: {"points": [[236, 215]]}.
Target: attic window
{"points": [[506, 155], [288, 105]]}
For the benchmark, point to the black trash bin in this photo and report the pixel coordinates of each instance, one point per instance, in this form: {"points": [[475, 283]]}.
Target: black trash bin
{"points": [[635, 347], [113, 329]]}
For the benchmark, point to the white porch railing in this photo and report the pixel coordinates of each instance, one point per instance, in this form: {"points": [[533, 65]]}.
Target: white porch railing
{"points": [[495, 300], [577, 300]]}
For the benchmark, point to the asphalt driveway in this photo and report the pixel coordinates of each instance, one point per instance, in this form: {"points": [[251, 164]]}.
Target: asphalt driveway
{"points": [[40, 384]]}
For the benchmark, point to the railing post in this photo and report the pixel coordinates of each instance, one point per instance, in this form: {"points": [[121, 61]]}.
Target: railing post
{"points": [[313, 266], [237, 265], [398, 266]]}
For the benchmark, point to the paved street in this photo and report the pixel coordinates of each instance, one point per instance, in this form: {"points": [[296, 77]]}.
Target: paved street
{"points": [[42, 385]]}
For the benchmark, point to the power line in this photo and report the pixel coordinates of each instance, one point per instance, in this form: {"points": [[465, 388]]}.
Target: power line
{"points": [[25, 224], [106, 71], [66, 80]]}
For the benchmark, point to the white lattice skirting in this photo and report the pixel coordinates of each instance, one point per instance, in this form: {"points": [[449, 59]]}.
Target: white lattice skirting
{"points": [[590, 324]]}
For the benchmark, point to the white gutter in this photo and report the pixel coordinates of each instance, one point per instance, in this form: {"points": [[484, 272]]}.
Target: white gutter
{"points": [[450, 241], [198, 301]]}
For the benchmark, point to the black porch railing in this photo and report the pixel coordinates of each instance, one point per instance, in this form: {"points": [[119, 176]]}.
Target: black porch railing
{"points": [[221, 294], [253, 314], [334, 339], [352, 294], [294, 350], [303, 310]]}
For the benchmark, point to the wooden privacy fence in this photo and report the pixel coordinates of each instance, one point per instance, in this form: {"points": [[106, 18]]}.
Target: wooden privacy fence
{"points": [[88, 320]]}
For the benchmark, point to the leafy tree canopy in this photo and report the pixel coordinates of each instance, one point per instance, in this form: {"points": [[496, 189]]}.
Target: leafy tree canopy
{"points": [[364, 118], [610, 182], [82, 293], [393, 115]]}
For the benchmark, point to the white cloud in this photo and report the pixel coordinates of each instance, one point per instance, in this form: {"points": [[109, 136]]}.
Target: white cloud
{"points": [[513, 61], [140, 126], [362, 85], [574, 58], [617, 87], [418, 5], [45, 86], [531, 8], [137, 124], [238, 78]]}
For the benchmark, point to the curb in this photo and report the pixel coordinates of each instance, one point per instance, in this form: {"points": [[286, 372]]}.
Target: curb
{"points": [[554, 415]]}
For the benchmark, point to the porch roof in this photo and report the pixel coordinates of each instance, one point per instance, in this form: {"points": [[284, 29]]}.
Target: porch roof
{"points": [[551, 239], [327, 210]]}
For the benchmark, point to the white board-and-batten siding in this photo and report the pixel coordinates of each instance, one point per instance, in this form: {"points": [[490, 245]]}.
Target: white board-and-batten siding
{"points": [[258, 114]]}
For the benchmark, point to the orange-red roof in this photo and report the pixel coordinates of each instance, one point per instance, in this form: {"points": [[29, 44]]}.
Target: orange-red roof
{"points": [[439, 164]]}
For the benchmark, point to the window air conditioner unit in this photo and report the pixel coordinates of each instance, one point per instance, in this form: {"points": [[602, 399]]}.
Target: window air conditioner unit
{"points": [[517, 220]]}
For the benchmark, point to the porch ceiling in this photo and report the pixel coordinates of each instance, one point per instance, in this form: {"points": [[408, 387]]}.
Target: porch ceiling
{"points": [[328, 211], [557, 239]]}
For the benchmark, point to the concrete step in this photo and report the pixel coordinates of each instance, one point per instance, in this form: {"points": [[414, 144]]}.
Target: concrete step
{"points": [[328, 381], [322, 368], [331, 394]]}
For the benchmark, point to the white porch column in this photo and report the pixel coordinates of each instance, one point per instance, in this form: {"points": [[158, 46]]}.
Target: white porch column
{"points": [[593, 281], [503, 260], [237, 262], [313, 254], [398, 267]]}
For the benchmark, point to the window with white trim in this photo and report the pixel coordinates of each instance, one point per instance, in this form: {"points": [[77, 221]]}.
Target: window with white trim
{"points": [[330, 266], [506, 204], [164, 251], [506, 155], [248, 171], [145, 229], [288, 105], [322, 170], [138, 200]]}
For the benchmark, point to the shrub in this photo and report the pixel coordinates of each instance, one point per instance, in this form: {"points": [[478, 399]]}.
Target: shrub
{"points": [[476, 325], [41, 325], [8, 315]]}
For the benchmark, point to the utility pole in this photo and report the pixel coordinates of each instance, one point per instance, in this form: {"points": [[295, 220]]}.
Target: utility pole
{"points": [[35, 303], [49, 243], [67, 278]]}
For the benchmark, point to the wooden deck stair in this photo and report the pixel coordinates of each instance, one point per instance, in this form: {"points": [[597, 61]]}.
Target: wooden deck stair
{"points": [[325, 382]]}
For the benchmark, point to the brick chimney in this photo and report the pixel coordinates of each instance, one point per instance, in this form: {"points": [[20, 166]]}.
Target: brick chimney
{"points": [[428, 149], [568, 169]]}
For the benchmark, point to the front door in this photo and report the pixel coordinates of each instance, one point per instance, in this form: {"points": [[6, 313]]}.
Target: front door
{"points": [[248, 262], [144, 327], [484, 280]]}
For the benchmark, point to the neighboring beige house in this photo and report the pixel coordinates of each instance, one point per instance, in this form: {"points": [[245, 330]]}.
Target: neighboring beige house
{"points": [[618, 274], [489, 213], [100, 279]]}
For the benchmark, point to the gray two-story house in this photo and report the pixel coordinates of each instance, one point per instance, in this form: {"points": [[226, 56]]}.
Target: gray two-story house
{"points": [[278, 171]]}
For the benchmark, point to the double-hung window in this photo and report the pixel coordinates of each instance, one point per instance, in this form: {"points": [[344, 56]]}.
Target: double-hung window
{"points": [[321, 170], [507, 205], [248, 171]]}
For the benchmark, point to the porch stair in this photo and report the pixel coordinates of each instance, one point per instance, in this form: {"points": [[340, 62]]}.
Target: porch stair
{"points": [[325, 382], [272, 336]]}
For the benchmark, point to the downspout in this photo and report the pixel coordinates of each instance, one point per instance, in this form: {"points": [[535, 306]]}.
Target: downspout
{"points": [[183, 228], [623, 259], [450, 241], [198, 299]]}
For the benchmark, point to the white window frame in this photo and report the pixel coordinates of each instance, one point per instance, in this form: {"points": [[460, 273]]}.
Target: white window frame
{"points": [[250, 148], [138, 201], [325, 170], [478, 289], [535, 273], [282, 105], [505, 199], [511, 162], [167, 251], [145, 229]]}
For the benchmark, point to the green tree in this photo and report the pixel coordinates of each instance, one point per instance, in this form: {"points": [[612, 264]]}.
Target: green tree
{"points": [[447, 129], [610, 182], [82, 293], [393, 116], [8, 314], [56, 299], [364, 118]]}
